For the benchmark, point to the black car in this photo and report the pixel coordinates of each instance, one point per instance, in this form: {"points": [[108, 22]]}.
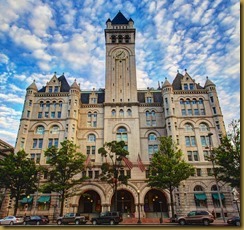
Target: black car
{"points": [[234, 220], [107, 218], [35, 220]]}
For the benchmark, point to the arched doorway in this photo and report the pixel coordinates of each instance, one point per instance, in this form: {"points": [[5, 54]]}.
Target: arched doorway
{"points": [[155, 201], [90, 202], [125, 202]]}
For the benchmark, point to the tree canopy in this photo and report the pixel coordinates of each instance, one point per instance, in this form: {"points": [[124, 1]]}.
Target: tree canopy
{"points": [[64, 163], [227, 156], [168, 168], [116, 153], [18, 174]]}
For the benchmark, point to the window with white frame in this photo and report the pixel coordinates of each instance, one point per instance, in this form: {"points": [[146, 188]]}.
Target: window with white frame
{"points": [[188, 127], [203, 127], [54, 129], [91, 138], [40, 129], [190, 141], [121, 134]]}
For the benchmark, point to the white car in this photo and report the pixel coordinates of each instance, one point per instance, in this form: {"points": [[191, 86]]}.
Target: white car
{"points": [[11, 220]]}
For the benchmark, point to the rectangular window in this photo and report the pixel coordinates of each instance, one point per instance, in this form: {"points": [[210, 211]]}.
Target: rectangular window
{"points": [[204, 141], [40, 115], [30, 102], [185, 86], [52, 114], [38, 158], [50, 89], [28, 113], [88, 150], [34, 143], [196, 111], [94, 124], [193, 141], [46, 114], [191, 86], [56, 142], [189, 155], [153, 123], [96, 174], [55, 89], [203, 112], [189, 111], [183, 112], [93, 149], [187, 141], [209, 172], [206, 155], [214, 110], [32, 156], [90, 174], [59, 114], [68, 113], [40, 143], [211, 99], [195, 156], [48, 104], [50, 143], [166, 100], [199, 172]]}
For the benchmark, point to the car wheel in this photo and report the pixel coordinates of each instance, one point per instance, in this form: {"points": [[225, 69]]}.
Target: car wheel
{"points": [[94, 222], [182, 222], [59, 222], [38, 223], [24, 223], [206, 222], [238, 223], [111, 222], [11, 223], [77, 222]]}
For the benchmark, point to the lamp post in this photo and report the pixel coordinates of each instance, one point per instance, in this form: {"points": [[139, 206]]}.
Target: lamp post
{"points": [[139, 211], [161, 212], [215, 176]]}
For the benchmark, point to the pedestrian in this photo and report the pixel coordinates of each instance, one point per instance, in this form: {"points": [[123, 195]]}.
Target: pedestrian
{"points": [[213, 213]]}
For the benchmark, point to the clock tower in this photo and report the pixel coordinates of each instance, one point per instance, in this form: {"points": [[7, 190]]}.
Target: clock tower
{"points": [[120, 61]]}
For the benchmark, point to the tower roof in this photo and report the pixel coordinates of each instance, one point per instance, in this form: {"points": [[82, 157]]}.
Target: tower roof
{"points": [[120, 19], [208, 83], [33, 86], [75, 85], [166, 83]]}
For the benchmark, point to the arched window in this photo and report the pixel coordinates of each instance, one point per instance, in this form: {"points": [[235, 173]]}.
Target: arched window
{"points": [[198, 188], [188, 101], [40, 129], [153, 113], [120, 38], [215, 197], [121, 112], [181, 101], [147, 114], [48, 104], [203, 127], [152, 137], [41, 104], [127, 38], [121, 134], [54, 130], [113, 113], [194, 101], [129, 112], [188, 127], [91, 138], [113, 38], [200, 101], [89, 114]]}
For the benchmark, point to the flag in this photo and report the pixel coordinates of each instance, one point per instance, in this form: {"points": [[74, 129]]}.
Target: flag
{"points": [[128, 163], [88, 159], [140, 164]]}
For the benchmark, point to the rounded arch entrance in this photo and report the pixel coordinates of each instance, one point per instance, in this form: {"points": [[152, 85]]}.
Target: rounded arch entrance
{"points": [[89, 202], [125, 202], [153, 202]]}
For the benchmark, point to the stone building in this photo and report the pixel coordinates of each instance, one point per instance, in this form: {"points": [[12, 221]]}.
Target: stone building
{"points": [[182, 109]]}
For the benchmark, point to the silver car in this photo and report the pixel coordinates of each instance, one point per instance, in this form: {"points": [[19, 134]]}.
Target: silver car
{"points": [[11, 220]]}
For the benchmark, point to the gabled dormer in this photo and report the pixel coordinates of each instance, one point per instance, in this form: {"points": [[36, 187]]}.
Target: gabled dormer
{"points": [[148, 96], [54, 85], [93, 97], [187, 83]]}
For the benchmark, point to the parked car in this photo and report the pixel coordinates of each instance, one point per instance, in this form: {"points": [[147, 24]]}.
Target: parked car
{"points": [[35, 220], [45, 218], [234, 220], [11, 220], [72, 218], [196, 217], [107, 218]]}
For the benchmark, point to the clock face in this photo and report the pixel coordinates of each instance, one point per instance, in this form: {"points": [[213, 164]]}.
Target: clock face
{"points": [[120, 54]]}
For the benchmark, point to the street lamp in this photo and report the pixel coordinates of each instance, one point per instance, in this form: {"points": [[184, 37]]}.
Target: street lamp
{"points": [[215, 176], [161, 212], [139, 211]]}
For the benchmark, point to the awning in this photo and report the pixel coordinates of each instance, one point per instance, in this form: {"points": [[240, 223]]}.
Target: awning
{"points": [[200, 196], [216, 196], [43, 199], [26, 200]]}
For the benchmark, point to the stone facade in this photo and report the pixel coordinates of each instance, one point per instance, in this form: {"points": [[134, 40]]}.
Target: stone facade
{"points": [[182, 109]]}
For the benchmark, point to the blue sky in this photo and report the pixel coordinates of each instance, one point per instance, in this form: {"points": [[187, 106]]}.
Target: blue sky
{"points": [[39, 37]]}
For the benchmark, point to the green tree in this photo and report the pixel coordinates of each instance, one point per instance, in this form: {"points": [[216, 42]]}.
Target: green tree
{"points": [[168, 169], [227, 156], [116, 153], [18, 175], [64, 163]]}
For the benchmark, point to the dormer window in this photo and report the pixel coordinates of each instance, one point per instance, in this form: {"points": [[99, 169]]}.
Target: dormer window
{"points": [[191, 86], [50, 89], [55, 89], [185, 86]]}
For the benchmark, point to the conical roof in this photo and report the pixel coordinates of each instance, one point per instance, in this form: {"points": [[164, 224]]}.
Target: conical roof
{"points": [[208, 83], [75, 85], [166, 83], [33, 86]]}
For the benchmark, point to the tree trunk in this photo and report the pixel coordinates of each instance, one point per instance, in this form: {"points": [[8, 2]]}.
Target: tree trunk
{"points": [[62, 204], [172, 202]]}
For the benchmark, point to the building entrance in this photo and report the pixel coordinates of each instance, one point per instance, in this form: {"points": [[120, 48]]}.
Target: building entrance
{"points": [[90, 202]]}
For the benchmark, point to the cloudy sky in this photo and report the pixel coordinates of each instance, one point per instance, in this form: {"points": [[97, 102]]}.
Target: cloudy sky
{"points": [[39, 37]]}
